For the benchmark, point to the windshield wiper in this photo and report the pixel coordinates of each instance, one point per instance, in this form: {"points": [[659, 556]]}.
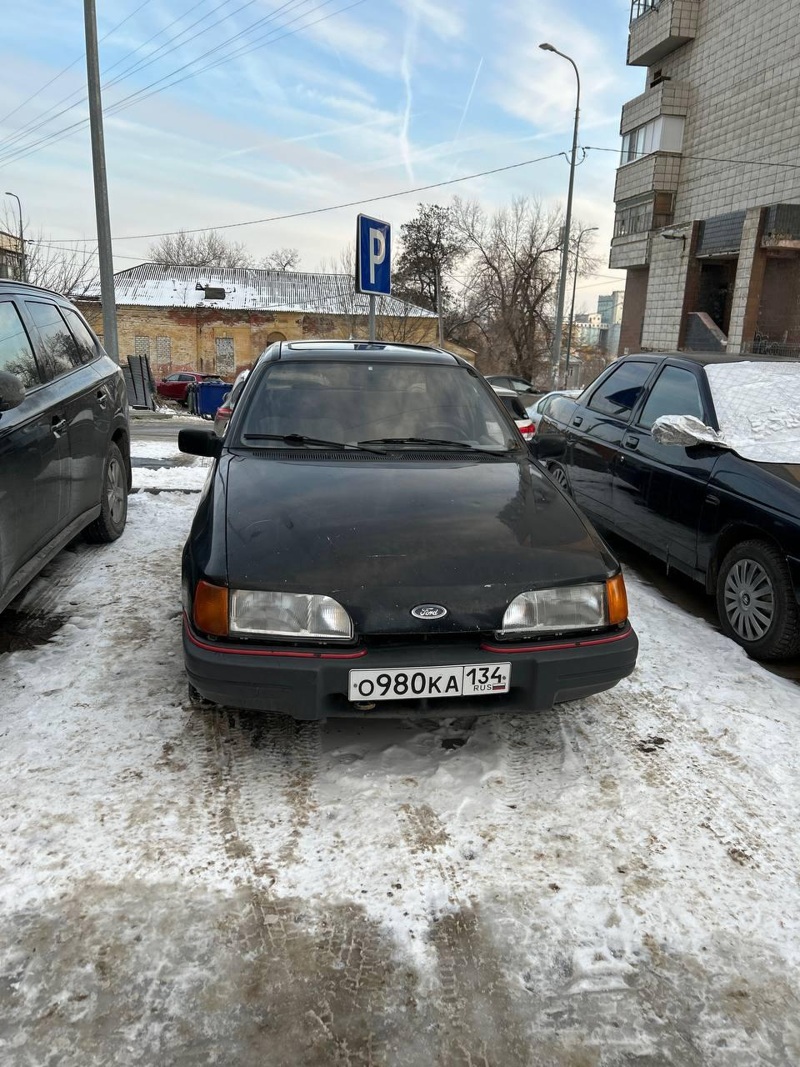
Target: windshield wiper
{"points": [[304, 441], [465, 445]]}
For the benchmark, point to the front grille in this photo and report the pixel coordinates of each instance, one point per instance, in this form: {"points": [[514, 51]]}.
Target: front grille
{"points": [[379, 642]]}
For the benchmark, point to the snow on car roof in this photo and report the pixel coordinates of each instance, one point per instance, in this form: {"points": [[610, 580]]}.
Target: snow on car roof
{"points": [[758, 408]]}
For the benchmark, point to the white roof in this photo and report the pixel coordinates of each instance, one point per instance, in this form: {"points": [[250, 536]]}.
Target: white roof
{"points": [[153, 285]]}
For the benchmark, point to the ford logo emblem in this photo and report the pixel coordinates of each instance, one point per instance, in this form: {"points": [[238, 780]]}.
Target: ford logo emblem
{"points": [[429, 611]]}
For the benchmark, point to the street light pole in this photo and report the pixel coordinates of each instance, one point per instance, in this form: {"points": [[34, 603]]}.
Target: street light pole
{"points": [[23, 266], [581, 235], [562, 287], [104, 252]]}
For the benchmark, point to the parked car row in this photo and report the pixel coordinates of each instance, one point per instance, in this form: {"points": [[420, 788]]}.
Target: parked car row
{"points": [[176, 386], [384, 532], [64, 436]]}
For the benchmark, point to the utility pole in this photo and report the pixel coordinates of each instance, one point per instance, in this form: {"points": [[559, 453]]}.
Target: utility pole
{"points": [[439, 309], [23, 269], [104, 251], [555, 358], [581, 236]]}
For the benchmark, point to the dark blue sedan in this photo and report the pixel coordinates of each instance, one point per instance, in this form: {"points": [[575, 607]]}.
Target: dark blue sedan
{"points": [[696, 459]]}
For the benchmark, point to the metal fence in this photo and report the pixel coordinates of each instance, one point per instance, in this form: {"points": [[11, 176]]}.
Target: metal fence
{"points": [[641, 7], [762, 346]]}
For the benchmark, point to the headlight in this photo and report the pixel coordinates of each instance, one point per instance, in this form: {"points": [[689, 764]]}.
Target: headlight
{"points": [[571, 607], [289, 615]]}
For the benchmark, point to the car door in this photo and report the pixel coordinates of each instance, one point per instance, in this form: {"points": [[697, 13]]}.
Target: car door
{"points": [[34, 455], [82, 401], [659, 490], [594, 436]]}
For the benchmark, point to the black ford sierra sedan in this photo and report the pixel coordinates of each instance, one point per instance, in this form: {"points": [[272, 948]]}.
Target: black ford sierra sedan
{"points": [[374, 539]]}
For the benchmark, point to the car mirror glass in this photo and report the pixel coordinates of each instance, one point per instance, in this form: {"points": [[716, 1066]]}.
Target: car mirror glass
{"points": [[12, 391], [685, 430]]}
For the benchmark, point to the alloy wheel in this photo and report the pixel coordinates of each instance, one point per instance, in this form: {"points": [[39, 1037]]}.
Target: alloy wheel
{"points": [[115, 490], [749, 600], [560, 478]]}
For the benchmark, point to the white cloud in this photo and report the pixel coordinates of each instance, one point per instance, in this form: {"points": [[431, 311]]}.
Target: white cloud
{"points": [[441, 21]]}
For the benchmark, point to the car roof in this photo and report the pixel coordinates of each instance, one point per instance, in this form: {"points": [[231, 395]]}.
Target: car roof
{"points": [[706, 358], [369, 351], [9, 284]]}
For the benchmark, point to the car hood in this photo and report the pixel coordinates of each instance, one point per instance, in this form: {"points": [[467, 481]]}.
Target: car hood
{"points": [[382, 537]]}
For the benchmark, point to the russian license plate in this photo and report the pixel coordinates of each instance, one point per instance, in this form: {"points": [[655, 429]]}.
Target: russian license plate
{"points": [[410, 683]]}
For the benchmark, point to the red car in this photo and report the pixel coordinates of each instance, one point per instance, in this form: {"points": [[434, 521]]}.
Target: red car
{"points": [[174, 386]]}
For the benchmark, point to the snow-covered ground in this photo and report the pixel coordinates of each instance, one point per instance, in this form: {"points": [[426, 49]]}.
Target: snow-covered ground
{"points": [[613, 882]]}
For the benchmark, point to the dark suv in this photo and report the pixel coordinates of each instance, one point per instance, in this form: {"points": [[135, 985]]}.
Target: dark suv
{"points": [[64, 434]]}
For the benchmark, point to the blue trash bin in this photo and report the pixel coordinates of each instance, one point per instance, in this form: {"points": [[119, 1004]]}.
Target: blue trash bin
{"points": [[209, 397]]}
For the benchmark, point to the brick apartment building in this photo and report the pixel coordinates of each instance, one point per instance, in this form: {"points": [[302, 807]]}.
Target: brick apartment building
{"points": [[10, 255], [220, 320], [708, 190]]}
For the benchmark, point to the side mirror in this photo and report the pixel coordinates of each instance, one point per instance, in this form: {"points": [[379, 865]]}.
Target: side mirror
{"points": [[685, 430], [12, 391], [199, 442], [548, 446]]}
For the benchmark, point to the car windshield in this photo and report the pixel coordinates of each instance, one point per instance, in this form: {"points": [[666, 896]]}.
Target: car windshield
{"points": [[758, 408], [411, 405]]}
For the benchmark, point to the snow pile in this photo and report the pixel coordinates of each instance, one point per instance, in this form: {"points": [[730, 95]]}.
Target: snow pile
{"points": [[758, 408], [180, 472], [610, 881]]}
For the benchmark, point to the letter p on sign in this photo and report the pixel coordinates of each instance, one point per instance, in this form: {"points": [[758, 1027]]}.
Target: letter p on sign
{"points": [[377, 252], [373, 256]]}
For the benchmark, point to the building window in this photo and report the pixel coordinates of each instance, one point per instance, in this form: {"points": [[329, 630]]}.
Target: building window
{"points": [[163, 352], [141, 346], [641, 7], [664, 134], [643, 214], [226, 359]]}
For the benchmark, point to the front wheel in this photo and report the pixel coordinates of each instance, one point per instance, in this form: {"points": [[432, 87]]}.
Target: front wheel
{"points": [[114, 500], [756, 603], [559, 476]]}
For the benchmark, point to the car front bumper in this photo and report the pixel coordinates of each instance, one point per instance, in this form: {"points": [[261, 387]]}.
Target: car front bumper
{"points": [[314, 685]]}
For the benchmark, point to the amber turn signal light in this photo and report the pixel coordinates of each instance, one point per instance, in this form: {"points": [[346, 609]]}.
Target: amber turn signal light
{"points": [[617, 599], [211, 609]]}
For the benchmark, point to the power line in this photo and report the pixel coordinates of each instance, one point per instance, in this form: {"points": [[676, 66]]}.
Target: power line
{"points": [[22, 151], [338, 207], [707, 159], [69, 66], [77, 97]]}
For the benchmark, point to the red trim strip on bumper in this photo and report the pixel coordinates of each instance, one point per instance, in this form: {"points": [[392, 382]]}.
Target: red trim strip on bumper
{"points": [[288, 654], [505, 650]]}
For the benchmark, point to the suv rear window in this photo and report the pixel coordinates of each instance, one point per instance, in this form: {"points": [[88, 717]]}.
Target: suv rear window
{"points": [[87, 346], [58, 345], [16, 354]]}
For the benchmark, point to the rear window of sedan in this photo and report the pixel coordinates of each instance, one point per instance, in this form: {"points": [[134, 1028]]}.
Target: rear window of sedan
{"points": [[362, 401]]}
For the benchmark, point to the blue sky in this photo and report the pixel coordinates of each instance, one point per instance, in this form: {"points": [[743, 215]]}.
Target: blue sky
{"points": [[325, 102]]}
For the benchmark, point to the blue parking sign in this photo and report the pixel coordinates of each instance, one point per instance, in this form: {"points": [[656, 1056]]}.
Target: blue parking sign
{"points": [[373, 256]]}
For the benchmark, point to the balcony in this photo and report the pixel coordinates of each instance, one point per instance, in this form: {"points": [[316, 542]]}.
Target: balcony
{"points": [[632, 250], [656, 172], [658, 27], [635, 221]]}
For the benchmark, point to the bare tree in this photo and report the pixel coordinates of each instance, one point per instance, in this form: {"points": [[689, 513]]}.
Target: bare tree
{"points": [[281, 259], [512, 276], [206, 249], [65, 270]]}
